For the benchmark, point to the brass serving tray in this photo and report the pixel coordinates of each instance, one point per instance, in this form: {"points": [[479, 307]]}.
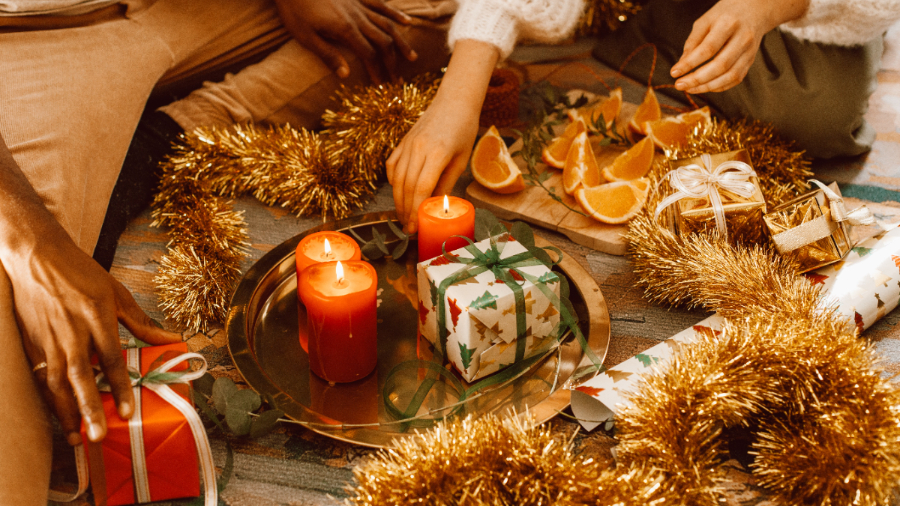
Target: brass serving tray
{"points": [[263, 339]]}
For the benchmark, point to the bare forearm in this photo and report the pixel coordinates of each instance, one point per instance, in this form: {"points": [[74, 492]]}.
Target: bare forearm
{"points": [[468, 75], [23, 216]]}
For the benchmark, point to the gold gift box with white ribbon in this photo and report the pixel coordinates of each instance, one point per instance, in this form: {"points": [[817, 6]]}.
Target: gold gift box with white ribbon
{"points": [[815, 229], [714, 192]]}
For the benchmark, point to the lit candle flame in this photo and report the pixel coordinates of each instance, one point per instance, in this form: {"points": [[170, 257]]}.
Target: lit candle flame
{"points": [[446, 205], [339, 272], [327, 248]]}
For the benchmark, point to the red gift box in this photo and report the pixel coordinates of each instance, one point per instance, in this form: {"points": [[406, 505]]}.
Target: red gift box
{"points": [[159, 434]]}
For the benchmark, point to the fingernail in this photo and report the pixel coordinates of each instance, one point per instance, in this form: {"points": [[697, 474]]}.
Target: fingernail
{"points": [[680, 86], [343, 72], [95, 431], [676, 72], [73, 438], [125, 409]]}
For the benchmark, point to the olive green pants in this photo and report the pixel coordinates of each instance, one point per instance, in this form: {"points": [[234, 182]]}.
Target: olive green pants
{"points": [[813, 93]]}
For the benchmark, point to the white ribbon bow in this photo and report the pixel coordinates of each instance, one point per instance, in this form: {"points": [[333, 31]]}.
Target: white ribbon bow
{"points": [[702, 180], [822, 227], [136, 432], [859, 216]]}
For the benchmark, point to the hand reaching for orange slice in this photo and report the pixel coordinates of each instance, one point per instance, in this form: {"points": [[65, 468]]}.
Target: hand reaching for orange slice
{"points": [[493, 167]]}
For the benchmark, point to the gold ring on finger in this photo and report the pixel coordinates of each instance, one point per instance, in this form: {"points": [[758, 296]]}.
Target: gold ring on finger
{"points": [[42, 365]]}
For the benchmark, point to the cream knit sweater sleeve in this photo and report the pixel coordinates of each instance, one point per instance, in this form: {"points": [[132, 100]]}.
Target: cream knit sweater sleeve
{"points": [[844, 22], [503, 22]]}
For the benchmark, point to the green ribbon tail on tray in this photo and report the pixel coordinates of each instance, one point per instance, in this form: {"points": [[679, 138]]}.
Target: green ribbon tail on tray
{"points": [[505, 270]]}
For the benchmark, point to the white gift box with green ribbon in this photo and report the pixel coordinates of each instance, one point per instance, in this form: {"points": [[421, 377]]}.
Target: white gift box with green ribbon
{"points": [[487, 327]]}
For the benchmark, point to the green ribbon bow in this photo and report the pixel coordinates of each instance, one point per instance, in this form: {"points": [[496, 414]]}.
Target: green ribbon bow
{"points": [[505, 270]]}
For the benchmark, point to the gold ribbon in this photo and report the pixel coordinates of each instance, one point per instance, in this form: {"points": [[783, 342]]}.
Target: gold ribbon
{"points": [[702, 180], [823, 226]]}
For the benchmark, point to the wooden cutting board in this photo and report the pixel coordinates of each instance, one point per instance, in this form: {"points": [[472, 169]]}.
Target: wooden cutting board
{"points": [[535, 206]]}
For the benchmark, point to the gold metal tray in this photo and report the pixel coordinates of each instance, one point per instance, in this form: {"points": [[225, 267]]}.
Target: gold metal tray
{"points": [[263, 339]]}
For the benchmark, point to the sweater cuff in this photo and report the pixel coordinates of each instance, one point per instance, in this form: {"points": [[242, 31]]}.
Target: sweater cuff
{"points": [[844, 22], [485, 21]]}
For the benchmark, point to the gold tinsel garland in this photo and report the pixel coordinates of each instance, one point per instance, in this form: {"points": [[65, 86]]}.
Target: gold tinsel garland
{"points": [[826, 423], [331, 173]]}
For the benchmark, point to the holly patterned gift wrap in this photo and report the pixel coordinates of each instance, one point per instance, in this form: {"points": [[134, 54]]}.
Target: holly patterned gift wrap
{"points": [[488, 305]]}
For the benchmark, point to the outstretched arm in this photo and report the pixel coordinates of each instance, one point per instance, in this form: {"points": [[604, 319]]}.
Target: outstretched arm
{"points": [[67, 308], [723, 42], [435, 152]]}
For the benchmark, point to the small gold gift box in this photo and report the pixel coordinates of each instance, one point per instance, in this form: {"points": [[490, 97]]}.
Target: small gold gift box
{"points": [[807, 231], [695, 187]]}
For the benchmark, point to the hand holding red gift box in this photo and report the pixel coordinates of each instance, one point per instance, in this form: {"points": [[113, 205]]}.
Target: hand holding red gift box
{"points": [[135, 462]]}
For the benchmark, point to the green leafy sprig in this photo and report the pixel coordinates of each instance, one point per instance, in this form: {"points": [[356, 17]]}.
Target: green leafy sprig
{"points": [[546, 107], [377, 247]]}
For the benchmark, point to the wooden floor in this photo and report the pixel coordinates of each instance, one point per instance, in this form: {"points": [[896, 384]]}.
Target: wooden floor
{"points": [[294, 466]]}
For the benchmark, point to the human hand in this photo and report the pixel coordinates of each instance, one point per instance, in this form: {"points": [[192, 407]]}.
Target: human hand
{"points": [[432, 156], [67, 308], [367, 27], [435, 152], [725, 41]]}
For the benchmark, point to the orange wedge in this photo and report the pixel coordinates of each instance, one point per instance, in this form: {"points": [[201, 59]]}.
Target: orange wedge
{"points": [[608, 108], [632, 164], [648, 111], [493, 167], [581, 167], [673, 131], [615, 202], [555, 153]]}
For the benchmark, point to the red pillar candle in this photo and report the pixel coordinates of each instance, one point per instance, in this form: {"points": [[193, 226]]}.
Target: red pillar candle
{"points": [[325, 247], [319, 247], [441, 218], [341, 304]]}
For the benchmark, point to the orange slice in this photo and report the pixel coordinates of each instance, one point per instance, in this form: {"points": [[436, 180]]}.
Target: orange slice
{"points": [[632, 164], [609, 108], [555, 153], [673, 131], [648, 111], [581, 167], [615, 202], [493, 167]]}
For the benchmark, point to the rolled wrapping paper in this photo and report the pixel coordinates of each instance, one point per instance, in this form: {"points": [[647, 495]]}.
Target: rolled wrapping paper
{"points": [[864, 286]]}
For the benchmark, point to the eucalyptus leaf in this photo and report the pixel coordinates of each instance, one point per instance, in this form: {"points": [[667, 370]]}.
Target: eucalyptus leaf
{"points": [[246, 400], [485, 222], [542, 255], [202, 402], [401, 248], [397, 230], [378, 238], [523, 233], [238, 421], [222, 390], [371, 251], [265, 422], [204, 384]]}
